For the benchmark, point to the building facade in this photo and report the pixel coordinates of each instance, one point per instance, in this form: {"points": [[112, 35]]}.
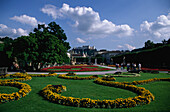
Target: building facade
{"points": [[81, 55], [89, 55]]}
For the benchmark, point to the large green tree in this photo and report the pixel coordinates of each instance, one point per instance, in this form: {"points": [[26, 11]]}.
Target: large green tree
{"points": [[5, 51], [47, 44]]}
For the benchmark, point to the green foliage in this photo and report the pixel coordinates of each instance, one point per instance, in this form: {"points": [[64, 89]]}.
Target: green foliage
{"points": [[6, 45], [6, 50], [82, 59], [99, 59], [1, 46], [155, 58], [149, 44], [44, 45]]}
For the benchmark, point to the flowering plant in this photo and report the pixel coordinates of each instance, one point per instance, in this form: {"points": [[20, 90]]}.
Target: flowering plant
{"points": [[65, 76], [24, 90], [70, 68], [144, 96]]}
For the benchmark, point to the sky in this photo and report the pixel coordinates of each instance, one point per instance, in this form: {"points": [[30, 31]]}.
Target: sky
{"points": [[105, 24]]}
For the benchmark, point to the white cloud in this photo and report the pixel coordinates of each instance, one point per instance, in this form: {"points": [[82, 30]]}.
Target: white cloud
{"points": [[6, 31], [126, 46], [159, 28], [130, 47], [88, 21], [120, 47], [22, 32], [51, 10], [80, 40], [27, 20]]}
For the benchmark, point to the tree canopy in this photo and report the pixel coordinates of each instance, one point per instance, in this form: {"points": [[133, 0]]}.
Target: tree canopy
{"points": [[153, 55], [47, 44]]}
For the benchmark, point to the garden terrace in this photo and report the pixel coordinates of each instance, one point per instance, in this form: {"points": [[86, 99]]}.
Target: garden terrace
{"points": [[89, 90]]}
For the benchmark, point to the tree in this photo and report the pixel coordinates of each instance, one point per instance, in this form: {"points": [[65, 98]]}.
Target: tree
{"points": [[149, 44], [6, 44], [44, 45], [6, 51], [166, 41]]}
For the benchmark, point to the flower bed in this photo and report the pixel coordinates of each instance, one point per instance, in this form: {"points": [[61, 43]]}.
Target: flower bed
{"points": [[108, 78], [17, 77], [151, 69], [72, 68], [24, 90], [146, 81], [144, 96], [125, 75], [42, 75], [67, 76]]}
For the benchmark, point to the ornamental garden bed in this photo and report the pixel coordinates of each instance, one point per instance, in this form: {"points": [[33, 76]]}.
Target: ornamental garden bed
{"points": [[74, 68], [120, 74], [90, 91]]}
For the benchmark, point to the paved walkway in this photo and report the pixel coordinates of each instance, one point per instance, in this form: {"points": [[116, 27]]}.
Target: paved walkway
{"points": [[105, 66], [83, 73]]}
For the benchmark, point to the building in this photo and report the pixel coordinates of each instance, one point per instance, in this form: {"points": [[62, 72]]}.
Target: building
{"points": [[108, 54], [88, 50], [88, 55], [81, 55]]}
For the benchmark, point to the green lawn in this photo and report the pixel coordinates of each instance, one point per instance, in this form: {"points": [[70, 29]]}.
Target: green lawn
{"points": [[87, 89]]}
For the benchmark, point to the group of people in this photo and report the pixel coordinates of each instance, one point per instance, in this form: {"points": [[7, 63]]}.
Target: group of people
{"points": [[130, 66]]}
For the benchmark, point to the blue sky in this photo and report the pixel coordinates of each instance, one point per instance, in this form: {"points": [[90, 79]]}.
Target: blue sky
{"points": [[106, 24]]}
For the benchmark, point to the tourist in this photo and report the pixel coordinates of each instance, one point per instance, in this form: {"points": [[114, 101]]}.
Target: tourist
{"points": [[134, 66], [118, 66], [121, 66], [139, 67], [128, 66]]}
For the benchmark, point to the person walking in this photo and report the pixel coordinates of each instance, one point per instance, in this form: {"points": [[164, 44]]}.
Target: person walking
{"points": [[121, 66], [128, 66], [139, 67], [134, 65]]}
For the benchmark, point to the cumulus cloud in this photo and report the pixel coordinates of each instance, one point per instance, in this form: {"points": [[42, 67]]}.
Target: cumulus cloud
{"points": [[27, 20], [120, 47], [126, 46], [51, 10], [6, 31], [130, 47], [80, 40], [87, 20], [159, 28]]}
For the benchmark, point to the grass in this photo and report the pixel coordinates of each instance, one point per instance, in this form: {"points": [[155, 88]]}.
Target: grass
{"points": [[8, 89], [86, 88]]}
